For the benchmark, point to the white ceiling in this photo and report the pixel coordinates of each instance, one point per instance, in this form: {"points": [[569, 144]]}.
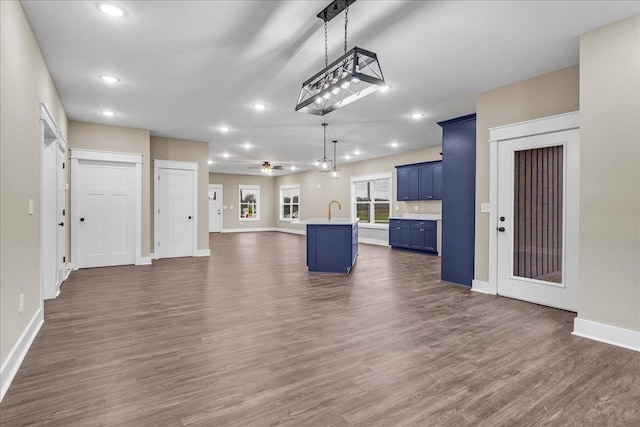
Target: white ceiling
{"points": [[188, 67]]}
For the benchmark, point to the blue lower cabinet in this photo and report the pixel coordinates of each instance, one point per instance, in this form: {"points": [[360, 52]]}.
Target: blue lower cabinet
{"points": [[400, 233], [413, 234], [332, 248]]}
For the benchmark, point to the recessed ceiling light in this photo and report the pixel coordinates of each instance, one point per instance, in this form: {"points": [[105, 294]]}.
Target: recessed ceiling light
{"points": [[111, 9], [316, 163], [394, 144], [293, 168], [247, 146], [347, 157], [108, 113], [385, 88], [259, 106], [225, 155], [210, 162], [109, 79], [224, 129], [417, 115], [356, 153]]}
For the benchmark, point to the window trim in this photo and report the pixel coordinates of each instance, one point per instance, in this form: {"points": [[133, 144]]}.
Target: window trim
{"points": [[281, 202], [258, 205], [371, 177]]}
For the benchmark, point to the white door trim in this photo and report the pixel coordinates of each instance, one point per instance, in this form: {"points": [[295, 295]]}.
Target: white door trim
{"points": [[171, 164], [540, 126], [113, 157], [49, 134]]}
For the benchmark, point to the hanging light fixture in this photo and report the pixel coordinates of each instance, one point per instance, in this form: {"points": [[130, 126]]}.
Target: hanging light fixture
{"points": [[353, 76], [335, 172], [266, 168], [324, 164]]}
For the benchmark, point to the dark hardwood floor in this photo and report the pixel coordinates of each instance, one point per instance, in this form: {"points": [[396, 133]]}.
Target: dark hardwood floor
{"points": [[249, 338]]}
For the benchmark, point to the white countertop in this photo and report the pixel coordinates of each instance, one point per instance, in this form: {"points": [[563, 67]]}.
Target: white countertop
{"points": [[325, 221], [428, 217]]}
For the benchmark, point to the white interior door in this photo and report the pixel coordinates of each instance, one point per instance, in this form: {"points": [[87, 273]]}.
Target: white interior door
{"points": [[53, 224], [215, 208], [49, 220], [106, 213], [61, 212], [538, 185], [175, 213]]}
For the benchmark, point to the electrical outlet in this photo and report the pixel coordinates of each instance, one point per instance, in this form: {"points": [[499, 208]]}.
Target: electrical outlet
{"points": [[415, 208], [21, 303], [397, 207], [485, 207]]}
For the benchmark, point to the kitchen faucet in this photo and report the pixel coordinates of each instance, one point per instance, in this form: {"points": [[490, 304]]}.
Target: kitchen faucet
{"points": [[330, 203]]}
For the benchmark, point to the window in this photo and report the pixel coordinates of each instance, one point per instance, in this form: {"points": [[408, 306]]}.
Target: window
{"points": [[289, 202], [249, 202], [371, 198]]}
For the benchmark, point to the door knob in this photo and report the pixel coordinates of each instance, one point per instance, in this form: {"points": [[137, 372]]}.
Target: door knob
{"points": [[501, 229], [61, 224], [501, 218], [81, 219]]}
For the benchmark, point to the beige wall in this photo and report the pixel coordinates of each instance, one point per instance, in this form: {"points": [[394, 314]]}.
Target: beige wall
{"points": [[91, 136], [541, 96], [187, 151], [231, 196], [25, 83], [609, 265], [317, 189]]}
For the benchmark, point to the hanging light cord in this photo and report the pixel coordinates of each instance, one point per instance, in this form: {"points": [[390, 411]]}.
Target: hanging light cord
{"points": [[334, 153], [326, 43], [324, 144], [346, 24]]}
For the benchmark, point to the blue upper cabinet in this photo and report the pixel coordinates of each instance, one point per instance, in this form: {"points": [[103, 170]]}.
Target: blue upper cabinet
{"points": [[420, 181], [437, 181], [458, 199]]}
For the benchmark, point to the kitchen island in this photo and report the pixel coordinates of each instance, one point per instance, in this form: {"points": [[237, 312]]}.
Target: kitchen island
{"points": [[332, 245]]}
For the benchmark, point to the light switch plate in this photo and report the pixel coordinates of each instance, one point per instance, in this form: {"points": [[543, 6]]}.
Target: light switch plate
{"points": [[30, 206], [485, 207]]}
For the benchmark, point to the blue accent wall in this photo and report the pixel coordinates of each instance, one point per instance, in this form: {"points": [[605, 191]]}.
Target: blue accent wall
{"points": [[458, 199]]}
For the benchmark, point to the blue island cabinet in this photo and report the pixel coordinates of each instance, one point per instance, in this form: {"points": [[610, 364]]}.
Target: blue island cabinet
{"points": [[332, 247]]}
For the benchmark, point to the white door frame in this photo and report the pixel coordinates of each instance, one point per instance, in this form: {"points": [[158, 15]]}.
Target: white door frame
{"points": [[220, 188], [49, 134], [113, 157], [171, 164], [540, 126]]}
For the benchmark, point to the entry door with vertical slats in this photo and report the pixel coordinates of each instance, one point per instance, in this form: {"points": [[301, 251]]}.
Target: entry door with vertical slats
{"points": [[537, 196]]}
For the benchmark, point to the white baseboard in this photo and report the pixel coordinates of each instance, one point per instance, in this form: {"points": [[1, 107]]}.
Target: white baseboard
{"points": [[248, 230], [483, 287], [145, 260], [625, 338], [19, 351], [69, 268], [373, 241], [202, 252]]}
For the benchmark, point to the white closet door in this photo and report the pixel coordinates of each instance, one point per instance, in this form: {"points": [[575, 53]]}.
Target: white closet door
{"points": [[106, 213], [61, 217], [174, 213]]}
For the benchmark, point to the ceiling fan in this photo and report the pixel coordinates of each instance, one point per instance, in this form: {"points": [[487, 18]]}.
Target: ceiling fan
{"points": [[266, 168]]}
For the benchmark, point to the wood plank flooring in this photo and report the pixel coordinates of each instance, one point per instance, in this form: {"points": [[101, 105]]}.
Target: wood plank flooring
{"points": [[249, 338]]}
